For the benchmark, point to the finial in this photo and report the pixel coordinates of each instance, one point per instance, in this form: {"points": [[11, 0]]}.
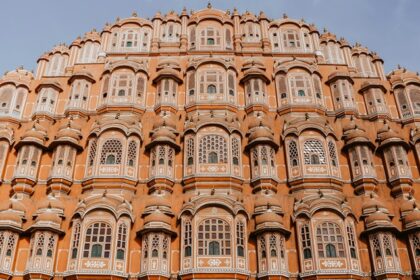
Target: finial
{"points": [[134, 14], [117, 116], [209, 6], [212, 191], [399, 66], [306, 116], [285, 15]]}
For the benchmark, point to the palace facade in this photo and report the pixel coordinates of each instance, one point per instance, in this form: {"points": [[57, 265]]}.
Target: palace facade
{"points": [[209, 145]]}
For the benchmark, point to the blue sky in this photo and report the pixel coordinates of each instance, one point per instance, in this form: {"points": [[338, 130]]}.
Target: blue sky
{"points": [[389, 27]]}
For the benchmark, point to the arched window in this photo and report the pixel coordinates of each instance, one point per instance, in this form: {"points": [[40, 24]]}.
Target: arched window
{"points": [[213, 149], [111, 152], [235, 151], [98, 241], [75, 241], [213, 157], [352, 242], [39, 246], [240, 239], [263, 248], [122, 86], [300, 87], [211, 89], [214, 238], [190, 151], [291, 40], [155, 246], [273, 245], [187, 239], [333, 154], [132, 153], [313, 152], [306, 241], [214, 248], [330, 240], [293, 153], [211, 85], [92, 152], [210, 37], [121, 241]]}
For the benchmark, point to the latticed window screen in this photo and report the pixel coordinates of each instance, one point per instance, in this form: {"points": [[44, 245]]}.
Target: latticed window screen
{"points": [[352, 241], [214, 238], [155, 246], [235, 151], [376, 245], [111, 152], [123, 85], [190, 151], [92, 152], [161, 155], [210, 37], [76, 240], [313, 152], [300, 85], [50, 245], [7, 243], [240, 239], [132, 153], [191, 83], [213, 149], [273, 246], [187, 239], [141, 86], [212, 82], [39, 244], [306, 241], [291, 39], [387, 245], [333, 153], [165, 247], [330, 241], [121, 241], [416, 244], [98, 241], [293, 154], [263, 248]]}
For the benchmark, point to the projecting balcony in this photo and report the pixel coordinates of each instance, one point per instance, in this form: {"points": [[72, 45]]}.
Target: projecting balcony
{"points": [[110, 175]]}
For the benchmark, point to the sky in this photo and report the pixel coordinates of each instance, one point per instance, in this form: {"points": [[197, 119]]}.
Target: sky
{"points": [[389, 27]]}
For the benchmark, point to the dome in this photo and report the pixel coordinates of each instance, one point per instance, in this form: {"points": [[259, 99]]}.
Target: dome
{"points": [[264, 200], [372, 203], [158, 201], [167, 120], [412, 217], [68, 133], [50, 202], [10, 216], [258, 121], [260, 133], [36, 135], [269, 217], [163, 133], [48, 217], [378, 219], [157, 217], [406, 206]]}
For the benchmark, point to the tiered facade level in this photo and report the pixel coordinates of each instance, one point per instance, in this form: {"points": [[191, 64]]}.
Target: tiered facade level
{"points": [[209, 145]]}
